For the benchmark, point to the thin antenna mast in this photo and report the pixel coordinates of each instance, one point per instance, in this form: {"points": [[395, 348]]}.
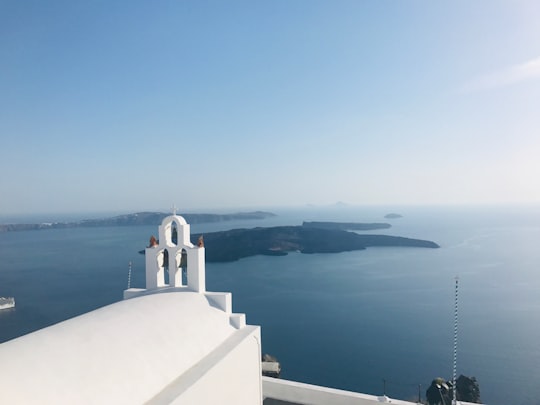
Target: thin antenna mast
{"points": [[129, 276], [454, 388]]}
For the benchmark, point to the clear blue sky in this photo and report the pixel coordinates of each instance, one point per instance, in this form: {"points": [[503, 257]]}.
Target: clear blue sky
{"points": [[132, 105]]}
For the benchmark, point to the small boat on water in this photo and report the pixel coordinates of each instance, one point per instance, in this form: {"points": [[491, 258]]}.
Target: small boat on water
{"points": [[7, 302]]}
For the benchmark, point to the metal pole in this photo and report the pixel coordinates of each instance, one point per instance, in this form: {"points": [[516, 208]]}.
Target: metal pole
{"points": [[129, 276], [454, 371]]}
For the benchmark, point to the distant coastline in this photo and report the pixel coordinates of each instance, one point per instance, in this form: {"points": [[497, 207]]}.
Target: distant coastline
{"points": [[135, 219]]}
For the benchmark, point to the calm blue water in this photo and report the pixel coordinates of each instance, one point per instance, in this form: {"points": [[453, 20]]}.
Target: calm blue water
{"points": [[345, 320]]}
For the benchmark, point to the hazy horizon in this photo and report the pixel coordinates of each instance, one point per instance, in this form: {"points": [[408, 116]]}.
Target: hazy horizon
{"points": [[337, 209], [118, 106]]}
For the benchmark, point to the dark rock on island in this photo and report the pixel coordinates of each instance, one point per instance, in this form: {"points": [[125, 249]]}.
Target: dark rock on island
{"points": [[347, 226], [235, 244]]}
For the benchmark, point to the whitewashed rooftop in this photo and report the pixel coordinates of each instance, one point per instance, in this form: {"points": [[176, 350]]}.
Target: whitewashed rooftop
{"points": [[121, 353]]}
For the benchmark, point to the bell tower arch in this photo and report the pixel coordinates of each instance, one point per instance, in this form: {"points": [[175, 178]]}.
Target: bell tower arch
{"points": [[174, 239]]}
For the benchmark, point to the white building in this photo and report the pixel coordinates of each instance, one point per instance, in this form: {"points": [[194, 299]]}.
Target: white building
{"points": [[172, 342]]}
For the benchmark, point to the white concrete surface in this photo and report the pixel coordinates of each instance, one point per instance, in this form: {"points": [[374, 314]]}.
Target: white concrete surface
{"points": [[123, 353]]}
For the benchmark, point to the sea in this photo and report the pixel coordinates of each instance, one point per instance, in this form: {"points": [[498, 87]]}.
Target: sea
{"points": [[377, 321]]}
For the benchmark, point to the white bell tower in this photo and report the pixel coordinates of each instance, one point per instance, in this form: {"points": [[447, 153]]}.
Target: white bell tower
{"points": [[173, 252]]}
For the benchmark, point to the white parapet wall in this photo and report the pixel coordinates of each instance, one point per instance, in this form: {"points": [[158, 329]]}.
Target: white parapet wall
{"points": [[301, 393]]}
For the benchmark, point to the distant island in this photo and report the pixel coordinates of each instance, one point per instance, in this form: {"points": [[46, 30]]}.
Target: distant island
{"points": [[393, 216], [346, 226], [138, 218], [235, 244]]}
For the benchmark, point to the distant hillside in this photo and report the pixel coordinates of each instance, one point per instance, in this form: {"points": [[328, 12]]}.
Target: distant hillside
{"points": [[139, 218], [155, 218]]}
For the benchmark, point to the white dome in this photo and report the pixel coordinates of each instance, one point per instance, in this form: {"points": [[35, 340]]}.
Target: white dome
{"points": [[103, 356]]}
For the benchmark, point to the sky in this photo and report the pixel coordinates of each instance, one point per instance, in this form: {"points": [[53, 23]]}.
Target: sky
{"points": [[138, 105]]}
